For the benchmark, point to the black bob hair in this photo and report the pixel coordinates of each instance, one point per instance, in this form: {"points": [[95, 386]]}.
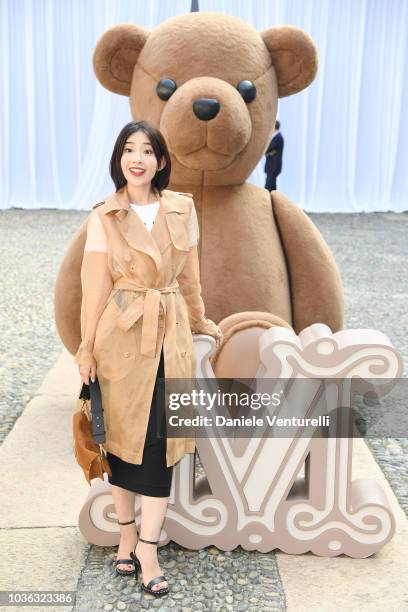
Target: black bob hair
{"points": [[162, 177]]}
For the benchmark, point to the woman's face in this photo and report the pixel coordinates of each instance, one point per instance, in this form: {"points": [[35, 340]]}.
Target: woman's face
{"points": [[138, 161]]}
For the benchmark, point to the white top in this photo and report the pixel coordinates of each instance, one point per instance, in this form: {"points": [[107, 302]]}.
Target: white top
{"points": [[96, 237], [147, 212]]}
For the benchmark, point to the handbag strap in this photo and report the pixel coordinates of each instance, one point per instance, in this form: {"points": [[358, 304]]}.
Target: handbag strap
{"points": [[84, 394], [98, 429]]}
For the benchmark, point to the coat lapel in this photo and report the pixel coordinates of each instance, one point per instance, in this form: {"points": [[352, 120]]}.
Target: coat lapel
{"points": [[132, 228]]}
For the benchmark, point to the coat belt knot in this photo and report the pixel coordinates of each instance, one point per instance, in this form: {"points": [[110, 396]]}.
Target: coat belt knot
{"points": [[146, 305]]}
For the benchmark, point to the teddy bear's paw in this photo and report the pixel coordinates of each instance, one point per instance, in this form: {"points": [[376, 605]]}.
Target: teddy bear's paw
{"points": [[238, 355]]}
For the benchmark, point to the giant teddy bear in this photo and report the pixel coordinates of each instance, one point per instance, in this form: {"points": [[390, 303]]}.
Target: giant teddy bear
{"points": [[210, 82]]}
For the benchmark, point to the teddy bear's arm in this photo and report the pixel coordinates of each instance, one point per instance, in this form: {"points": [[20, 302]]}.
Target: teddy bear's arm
{"points": [[97, 283], [190, 288], [315, 282]]}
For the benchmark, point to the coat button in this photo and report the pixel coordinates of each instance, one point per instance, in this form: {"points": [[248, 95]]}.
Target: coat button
{"points": [[127, 354]]}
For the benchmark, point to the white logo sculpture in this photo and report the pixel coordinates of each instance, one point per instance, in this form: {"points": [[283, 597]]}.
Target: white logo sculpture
{"points": [[252, 493]]}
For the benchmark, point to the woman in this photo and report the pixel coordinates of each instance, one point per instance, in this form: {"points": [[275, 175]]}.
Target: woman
{"points": [[141, 301]]}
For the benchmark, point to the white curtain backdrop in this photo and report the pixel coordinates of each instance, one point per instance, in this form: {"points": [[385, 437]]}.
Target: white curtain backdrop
{"points": [[345, 136]]}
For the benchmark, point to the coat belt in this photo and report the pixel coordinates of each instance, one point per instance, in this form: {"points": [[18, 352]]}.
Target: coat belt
{"points": [[147, 305]]}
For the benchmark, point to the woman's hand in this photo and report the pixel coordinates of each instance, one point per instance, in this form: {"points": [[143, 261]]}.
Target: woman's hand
{"points": [[209, 328], [87, 368], [219, 338], [217, 335]]}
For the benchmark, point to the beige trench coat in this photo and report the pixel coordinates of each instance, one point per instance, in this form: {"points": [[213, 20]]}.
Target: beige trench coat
{"points": [[153, 298]]}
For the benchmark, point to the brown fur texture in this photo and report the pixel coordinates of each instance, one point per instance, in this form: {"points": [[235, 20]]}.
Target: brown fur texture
{"points": [[257, 253]]}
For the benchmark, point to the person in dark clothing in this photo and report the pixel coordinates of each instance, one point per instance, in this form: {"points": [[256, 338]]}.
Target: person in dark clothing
{"points": [[273, 162]]}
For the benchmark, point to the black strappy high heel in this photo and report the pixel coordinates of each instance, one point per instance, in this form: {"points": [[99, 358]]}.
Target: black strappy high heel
{"points": [[153, 581], [130, 561]]}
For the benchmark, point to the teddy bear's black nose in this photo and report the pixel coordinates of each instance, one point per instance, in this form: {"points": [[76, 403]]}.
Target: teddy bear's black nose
{"points": [[206, 108]]}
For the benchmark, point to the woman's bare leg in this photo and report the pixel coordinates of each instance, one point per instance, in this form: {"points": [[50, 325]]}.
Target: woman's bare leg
{"points": [[153, 513], [125, 509]]}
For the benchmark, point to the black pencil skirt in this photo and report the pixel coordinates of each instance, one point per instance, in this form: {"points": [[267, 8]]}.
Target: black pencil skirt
{"points": [[152, 477]]}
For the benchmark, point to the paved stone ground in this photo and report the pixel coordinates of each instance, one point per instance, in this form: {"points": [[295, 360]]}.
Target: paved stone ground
{"points": [[371, 253]]}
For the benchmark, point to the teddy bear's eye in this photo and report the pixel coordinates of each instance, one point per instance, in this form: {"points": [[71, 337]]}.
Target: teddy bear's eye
{"points": [[247, 90], [165, 88]]}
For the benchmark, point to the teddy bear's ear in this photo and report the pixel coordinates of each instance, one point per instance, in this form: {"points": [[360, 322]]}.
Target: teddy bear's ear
{"points": [[116, 54], [294, 57]]}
